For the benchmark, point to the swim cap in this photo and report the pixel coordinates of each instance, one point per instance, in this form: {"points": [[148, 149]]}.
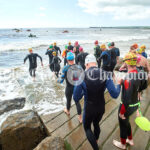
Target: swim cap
{"points": [[70, 56], [109, 44], [69, 43], [54, 53], [81, 49], [55, 43], [130, 59], [103, 46], [139, 51], [90, 59], [143, 47], [96, 42], [51, 46], [76, 43], [66, 47], [30, 50], [135, 46], [138, 59]]}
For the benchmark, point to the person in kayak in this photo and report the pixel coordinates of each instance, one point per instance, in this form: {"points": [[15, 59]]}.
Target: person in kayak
{"points": [[143, 47], [69, 87], [32, 62], [81, 58], [56, 64], [131, 86], [97, 53], [64, 55], [93, 88], [70, 47], [57, 48]]}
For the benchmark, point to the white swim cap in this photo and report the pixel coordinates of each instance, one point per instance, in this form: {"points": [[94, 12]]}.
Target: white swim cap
{"points": [[90, 59]]}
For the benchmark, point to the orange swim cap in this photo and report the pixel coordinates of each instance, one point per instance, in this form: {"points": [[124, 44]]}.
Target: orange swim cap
{"points": [[135, 46], [103, 46], [30, 50]]}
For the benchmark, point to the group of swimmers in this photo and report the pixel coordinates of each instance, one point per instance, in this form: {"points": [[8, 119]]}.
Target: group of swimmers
{"points": [[97, 78]]}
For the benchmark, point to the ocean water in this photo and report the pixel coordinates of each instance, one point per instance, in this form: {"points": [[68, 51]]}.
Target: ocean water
{"points": [[45, 94]]}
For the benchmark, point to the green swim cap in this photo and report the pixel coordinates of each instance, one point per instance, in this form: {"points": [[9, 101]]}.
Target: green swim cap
{"points": [[66, 47], [109, 44], [51, 46]]}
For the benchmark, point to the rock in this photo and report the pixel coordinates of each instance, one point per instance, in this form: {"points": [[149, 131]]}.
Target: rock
{"points": [[22, 131], [51, 143], [65, 31], [8, 105], [28, 30], [17, 30]]}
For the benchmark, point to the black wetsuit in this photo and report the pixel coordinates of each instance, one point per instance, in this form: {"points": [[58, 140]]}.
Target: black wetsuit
{"points": [[56, 65], [32, 63], [57, 49], [114, 53], [81, 59], [97, 54], [70, 48], [50, 54], [130, 90], [69, 90], [76, 52], [93, 89]]}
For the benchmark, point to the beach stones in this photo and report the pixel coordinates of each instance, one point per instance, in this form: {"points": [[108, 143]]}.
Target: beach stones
{"points": [[51, 143], [8, 105], [22, 131]]}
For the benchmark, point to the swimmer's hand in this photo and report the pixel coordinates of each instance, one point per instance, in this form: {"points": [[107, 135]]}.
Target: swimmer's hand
{"points": [[122, 116]]}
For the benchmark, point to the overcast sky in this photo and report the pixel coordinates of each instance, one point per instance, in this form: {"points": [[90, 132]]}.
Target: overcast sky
{"points": [[73, 13]]}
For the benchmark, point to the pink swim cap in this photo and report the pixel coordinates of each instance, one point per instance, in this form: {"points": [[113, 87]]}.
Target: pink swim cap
{"points": [[81, 49], [138, 59], [76, 43]]}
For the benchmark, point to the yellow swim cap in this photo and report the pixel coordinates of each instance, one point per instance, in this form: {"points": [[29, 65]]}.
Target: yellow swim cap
{"points": [[139, 51], [103, 46], [143, 47], [55, 43], [130, 59], [30, 50], [54, 53]]}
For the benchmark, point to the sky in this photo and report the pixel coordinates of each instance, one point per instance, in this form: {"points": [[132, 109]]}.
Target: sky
{"points": [[73, 13]]}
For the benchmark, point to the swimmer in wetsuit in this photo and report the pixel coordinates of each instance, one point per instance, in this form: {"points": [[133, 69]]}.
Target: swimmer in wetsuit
{"points": [[69, 87], [81, 58], [57, 48], [133, 83], [64, 54], [97, 53], [56, 64], [93, 88], [32, 62]]}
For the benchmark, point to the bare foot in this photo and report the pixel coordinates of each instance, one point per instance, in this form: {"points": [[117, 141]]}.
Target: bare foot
{"points": [[80, 118], [67, 111], [119, 144], [130, 142]]}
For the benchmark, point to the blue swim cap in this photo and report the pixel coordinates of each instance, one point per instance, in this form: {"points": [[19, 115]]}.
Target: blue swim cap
{"points": [[70, 56]]}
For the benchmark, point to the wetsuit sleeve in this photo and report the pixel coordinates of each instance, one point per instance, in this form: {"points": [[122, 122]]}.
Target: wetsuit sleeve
{"points": [[114, 91], [39, 57], [59, 50], [63, 76], [78, 92], [60, 60], [26, 58]]}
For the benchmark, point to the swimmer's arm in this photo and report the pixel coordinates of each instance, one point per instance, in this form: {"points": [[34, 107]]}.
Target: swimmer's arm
{"points": [[114, 91], [39, 57], [26, 58], [78, 92], [63, 76], [123, 67]]}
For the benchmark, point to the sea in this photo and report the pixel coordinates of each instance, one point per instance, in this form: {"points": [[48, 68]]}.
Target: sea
{"points": [[44, 94]]}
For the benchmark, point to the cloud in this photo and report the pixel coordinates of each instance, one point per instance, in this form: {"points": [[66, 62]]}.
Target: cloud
{"points": [[42, 15], [42, 8], [118, 9]]}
